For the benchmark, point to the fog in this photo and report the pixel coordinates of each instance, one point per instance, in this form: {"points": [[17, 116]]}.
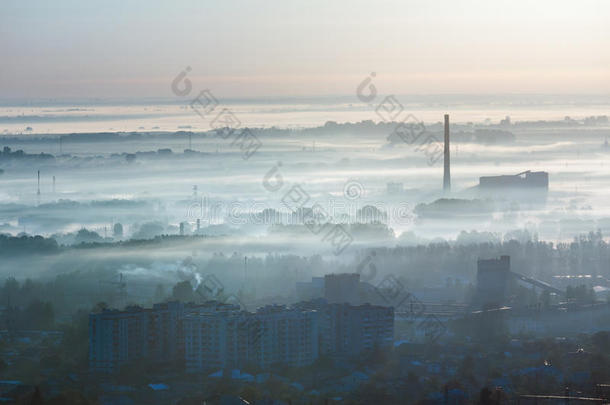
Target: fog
{"points": [[304, 202], [151, 182]]}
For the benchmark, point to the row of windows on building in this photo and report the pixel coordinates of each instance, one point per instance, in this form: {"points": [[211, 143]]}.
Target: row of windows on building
{"points": [[216, 335]]}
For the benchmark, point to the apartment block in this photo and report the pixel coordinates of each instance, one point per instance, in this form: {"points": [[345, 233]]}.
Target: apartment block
{"points": [[117, 337], [348, 330], [226, 337], [217, 335]]}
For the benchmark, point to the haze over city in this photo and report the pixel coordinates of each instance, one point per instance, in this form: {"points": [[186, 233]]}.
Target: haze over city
{"points": [[304, 202]]}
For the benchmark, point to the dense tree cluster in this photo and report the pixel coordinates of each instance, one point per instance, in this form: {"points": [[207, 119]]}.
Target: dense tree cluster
{"points": [[21, 245]]}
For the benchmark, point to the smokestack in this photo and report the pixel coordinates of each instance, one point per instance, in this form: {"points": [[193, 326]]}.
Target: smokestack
{"points": [[38, 192], [447, 173]]}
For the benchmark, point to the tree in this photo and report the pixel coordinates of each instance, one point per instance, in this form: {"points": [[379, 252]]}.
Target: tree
{"points": [[10, 291], [99, 307], [39, 315], [117, 230], [86, 236]]}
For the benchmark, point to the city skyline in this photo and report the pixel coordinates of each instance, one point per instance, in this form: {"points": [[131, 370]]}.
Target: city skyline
{"points": [[304, 202]]}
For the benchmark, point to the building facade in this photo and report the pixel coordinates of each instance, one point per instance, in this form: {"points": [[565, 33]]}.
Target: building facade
{"points": [[118, 337], [285, 335], [226, 337], [348, 330], [217, 335], [492, 282], [212, 337], [342, 288]]}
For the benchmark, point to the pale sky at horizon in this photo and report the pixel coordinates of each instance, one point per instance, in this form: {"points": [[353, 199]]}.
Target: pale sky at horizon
{"points": [[303, 48]]}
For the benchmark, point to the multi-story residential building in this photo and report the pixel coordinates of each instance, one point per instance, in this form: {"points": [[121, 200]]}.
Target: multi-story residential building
{"points": [[284, 335], [166, 343], [216, 335], [223, 337], [212, 337], [347, 330], [117, 337]]}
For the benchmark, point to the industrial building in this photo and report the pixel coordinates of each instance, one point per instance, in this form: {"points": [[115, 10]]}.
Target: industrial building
{"points": [[527, 180], [492, 281]]}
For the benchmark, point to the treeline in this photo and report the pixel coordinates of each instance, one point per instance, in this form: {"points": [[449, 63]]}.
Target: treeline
{"points": [[18, 245], [23, 307], [430, 263], [435, 262]]}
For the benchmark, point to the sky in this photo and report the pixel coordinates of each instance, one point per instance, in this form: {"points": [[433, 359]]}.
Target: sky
{"points": [[250, 49]]}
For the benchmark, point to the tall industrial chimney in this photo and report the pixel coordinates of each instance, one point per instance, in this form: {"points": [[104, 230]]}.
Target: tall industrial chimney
{"points": [[447, 173]]}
